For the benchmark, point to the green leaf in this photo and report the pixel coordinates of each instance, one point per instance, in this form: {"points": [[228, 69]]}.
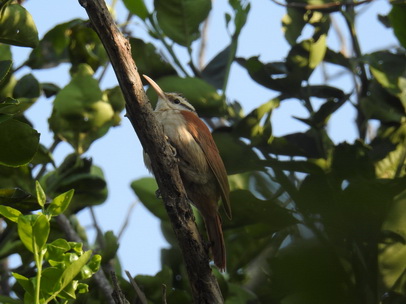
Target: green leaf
{"points": [[392, 248], [25, 232], [81, 112], [85, 47], [145, 189], [41, 197], [293, 24], [24, 282], [79, 174], [251, 127], [311, 144], [352, 161], [17, 27], [110, 246], [60, 203], [10, 106], [241, 10], [137, 7], [307, 272], [249, 210], [10, 213], [397, 18], [55, 251], [5, 67], [27, 90], [320, 119], [305, 56], [215, 71], [180, 19], [338, 58], [50, 89], [5, 52], [53, 48], [390, 71], [382, 105], [273, 75], [231, 148], [19, 143], [149, 60], [8, 300], [199, 93], [73, 270], [12, 196], [40, 232]]}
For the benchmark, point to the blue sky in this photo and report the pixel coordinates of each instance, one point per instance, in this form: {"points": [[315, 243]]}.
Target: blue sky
{"points": [[119, 152]]}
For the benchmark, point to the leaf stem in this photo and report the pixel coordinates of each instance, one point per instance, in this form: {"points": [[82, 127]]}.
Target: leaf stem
{"points": [[39, 257]]}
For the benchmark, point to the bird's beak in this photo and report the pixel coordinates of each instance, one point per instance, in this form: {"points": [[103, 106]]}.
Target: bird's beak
{"points": [[156, 87]]}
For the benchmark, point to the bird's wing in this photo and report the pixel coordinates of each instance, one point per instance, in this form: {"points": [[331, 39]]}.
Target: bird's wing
{"points": [[203, 137]]}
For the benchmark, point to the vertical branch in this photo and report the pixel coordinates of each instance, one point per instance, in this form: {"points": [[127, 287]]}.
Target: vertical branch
{"points": [[203, 284]]}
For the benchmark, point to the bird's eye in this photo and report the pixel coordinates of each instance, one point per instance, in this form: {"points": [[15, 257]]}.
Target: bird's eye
{"points": [[176, 101]]}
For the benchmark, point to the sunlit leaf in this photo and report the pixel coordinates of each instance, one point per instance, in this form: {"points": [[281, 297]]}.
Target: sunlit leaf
{"points": [[293, 24], [60, 203], [40, 232], [25, 231], [390, 71], [10, 213], [17, 27], [41, 197]]}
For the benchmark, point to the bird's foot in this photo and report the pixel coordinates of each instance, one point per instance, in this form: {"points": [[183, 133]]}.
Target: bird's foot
{"points": [[173, 150], [158, 193]]}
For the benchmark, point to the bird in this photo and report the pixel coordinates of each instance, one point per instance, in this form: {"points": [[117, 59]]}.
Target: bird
{"points": [[201, 168]]}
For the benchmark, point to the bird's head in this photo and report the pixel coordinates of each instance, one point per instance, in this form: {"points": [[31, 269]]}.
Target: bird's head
{"points": [[169, 101]]}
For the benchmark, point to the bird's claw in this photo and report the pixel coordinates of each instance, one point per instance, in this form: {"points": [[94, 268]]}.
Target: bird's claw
{"points": [[158, 193]]}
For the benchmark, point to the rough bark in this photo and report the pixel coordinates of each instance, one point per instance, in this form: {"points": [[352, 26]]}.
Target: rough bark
{"points": [[203, 284]]}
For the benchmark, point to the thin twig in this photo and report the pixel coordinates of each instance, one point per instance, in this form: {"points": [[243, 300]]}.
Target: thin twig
{"points": [[164, 294], [126, 221], [203, 44], [138, 290], [99, 235]]}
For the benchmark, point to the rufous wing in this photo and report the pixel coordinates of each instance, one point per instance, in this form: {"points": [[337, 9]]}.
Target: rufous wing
{"points": [[203, 137]]}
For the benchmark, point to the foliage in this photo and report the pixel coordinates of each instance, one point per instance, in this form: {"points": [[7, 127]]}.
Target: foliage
{"points": [[68, 263], [313, 221]]}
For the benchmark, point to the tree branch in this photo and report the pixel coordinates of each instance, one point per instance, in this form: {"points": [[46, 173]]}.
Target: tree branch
{"points": [[326, 7], [203, 284]]}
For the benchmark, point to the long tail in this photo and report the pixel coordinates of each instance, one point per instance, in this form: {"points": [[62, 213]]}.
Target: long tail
{"points": [[213, 226]]}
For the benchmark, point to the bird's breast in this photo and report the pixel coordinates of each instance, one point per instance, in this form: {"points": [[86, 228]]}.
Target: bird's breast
{"points": [[187, 149]]}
